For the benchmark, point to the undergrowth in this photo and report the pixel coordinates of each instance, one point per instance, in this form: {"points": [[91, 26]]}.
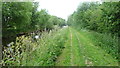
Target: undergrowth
{"points": [[42, 52], [106, 41]]}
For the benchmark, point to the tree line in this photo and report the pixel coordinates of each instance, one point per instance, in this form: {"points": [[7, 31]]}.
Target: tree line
{"points": [[23, 17], [103, 18]]}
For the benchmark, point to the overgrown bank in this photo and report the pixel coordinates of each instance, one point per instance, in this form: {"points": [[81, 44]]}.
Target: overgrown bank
{"points": [[44, 51]]}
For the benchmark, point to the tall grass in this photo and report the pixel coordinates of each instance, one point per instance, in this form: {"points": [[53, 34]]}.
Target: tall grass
{"points": [[42, 52], [107, 42]]}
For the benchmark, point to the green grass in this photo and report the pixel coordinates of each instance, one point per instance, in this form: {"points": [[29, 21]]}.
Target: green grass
{"points": [[65, 47], [84, 51], [104, 41]]}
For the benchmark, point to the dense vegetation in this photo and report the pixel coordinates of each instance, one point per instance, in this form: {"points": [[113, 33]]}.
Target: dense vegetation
{"points": [[21, 18], [102, 18], [91, 39], [28, 52]]}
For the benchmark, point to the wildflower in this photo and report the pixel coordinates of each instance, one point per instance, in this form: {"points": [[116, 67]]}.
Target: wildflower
{"points": [[37, 36]]}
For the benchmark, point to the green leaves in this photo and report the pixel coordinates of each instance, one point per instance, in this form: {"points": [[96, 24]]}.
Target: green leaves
{"points": [[98, 17], [16, 16], [23, 17]]}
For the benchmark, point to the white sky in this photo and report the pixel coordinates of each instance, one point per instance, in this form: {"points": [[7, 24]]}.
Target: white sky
{"points": [[60, 8]]}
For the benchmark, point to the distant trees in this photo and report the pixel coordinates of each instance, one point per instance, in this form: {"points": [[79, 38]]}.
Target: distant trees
{"points": [[57, 21], [103, 17]]}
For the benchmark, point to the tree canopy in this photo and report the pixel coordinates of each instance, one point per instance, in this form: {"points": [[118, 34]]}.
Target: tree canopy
{"points": [[24, 17], [97, 17]]}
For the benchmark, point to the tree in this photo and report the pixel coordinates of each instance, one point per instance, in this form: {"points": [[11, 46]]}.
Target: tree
{"points": [[16, 17], [102, 18]]}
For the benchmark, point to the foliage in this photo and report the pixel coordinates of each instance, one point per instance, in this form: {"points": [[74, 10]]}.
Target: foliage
{"points": [[96, 23], [28, 52], [57, 21], [16, 17], [23, 18], [102, 18], [97, 17]]}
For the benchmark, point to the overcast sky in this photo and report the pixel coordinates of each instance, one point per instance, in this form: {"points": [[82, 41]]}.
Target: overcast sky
{"points": [[60, 8]]}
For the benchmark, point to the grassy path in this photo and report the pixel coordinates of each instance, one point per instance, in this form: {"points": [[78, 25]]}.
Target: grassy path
{"points": [[80, 51]]}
